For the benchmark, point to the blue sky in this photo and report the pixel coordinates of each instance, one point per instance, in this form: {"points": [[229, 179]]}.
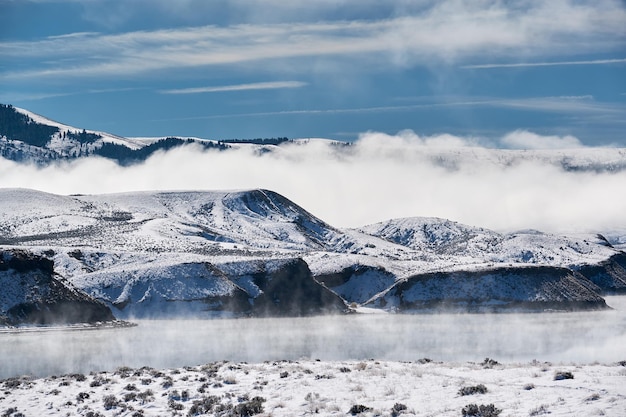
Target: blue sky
{"points": [[329, 68]]}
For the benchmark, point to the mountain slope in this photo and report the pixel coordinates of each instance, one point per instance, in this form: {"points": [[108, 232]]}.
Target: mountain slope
{"points": [[31, 138], [164, 254]]}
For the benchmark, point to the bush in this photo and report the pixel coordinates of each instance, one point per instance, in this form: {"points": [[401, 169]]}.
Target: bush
{"points": [[168, 382], [249, 408], [109, 402], [203, 406], [477, 389], [79, 377], [358, 409], [130, 396], [98, 381], [473, 410], [490, 363], [561, 375], [174, 405], [397, 409], [124, 371], [146, 396], [82, 396]]}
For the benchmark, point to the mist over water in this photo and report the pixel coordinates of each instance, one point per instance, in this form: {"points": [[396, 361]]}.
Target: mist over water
{"points": [[379, 177], [583, 337]]}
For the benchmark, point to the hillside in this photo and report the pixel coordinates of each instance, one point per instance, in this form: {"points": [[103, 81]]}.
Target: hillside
{"points": [[206, 254], [30, 138]]}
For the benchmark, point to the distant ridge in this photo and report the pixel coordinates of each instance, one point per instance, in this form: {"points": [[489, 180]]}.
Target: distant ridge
{"points": [[26, 137]]}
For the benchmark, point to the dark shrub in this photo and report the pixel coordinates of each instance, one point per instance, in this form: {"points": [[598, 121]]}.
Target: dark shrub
{"points": [[168, 382], [490, 363], [109, 402], [9, 412], [249, 408], [561, 375], [203, 406], [397, 409], [477, 389], [146, 396], [473, 410], [82, 396], [175, 405], [358, 409], [130, 396]]}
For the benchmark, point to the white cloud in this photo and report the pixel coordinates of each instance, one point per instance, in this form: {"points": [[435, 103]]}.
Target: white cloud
{"points": [[379, 177], [546, 64], [523, 139], [270, 85], [430, 32]]}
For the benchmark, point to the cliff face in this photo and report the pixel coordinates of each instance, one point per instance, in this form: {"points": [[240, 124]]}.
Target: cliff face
{"points": [[290, 290], [533, 288], [32, 294], [609, 275]]}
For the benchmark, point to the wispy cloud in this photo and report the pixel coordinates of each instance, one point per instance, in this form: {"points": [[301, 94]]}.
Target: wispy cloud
{"points": [[448, 31], [560, 104], [12, 97], [547, 64], [271, 85]]}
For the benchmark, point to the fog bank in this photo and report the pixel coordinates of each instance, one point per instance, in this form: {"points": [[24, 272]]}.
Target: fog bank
{"points": [[378, 178], [558, 337]]}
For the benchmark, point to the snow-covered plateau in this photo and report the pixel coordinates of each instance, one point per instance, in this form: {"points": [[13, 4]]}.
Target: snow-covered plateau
{"points": [[254, 252]]}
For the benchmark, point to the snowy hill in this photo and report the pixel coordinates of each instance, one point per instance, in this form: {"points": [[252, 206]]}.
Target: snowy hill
{"points": [[30, 138], [162, 254]]}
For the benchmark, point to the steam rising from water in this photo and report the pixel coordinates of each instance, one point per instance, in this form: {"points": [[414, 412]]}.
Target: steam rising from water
{"points": [[379, 178], [559, 337]]}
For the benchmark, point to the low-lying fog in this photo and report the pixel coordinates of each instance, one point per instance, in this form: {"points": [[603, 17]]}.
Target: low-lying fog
{"points": [[584, 337]]}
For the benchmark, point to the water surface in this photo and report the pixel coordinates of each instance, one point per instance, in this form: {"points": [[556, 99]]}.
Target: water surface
{"points": [[584, 337]]}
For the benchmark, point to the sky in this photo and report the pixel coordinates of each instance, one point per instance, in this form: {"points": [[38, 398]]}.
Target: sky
{"points": [[335, 69]]}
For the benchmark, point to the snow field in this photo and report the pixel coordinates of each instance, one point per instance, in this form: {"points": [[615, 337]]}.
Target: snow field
{"points": [[307, 387]]}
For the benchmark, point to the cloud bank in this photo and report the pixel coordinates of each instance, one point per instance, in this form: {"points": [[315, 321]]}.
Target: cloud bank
{"points": [[380, 177], [410, 32]]}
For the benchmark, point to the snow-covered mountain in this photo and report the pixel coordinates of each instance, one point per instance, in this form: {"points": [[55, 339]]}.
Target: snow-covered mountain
{"points": [[31, 138], [155, 254]]}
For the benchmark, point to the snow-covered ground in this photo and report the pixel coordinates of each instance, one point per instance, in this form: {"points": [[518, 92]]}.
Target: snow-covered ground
{"points": [[240, 367], [307, 387]]}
